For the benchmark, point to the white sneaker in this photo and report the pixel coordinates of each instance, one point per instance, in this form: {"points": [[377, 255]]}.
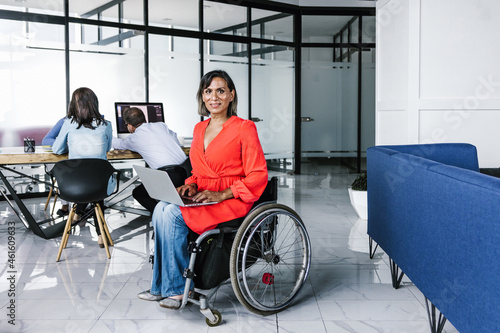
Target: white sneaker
{"points": [[147, 296]]}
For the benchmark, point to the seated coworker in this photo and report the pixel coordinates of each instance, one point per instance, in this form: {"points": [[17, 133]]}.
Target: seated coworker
{"points": [[51, 136], [85, 134], [228, 167], [158, 146]]}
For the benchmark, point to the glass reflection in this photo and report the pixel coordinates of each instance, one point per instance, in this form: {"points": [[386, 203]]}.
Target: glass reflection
{"points": [[52, 7], [130, 11], [272, 25], [179, 14], [113, 70], [31, 53], [233, 58], [323, 29], [174, 73], [224, 19], [273, 102]]}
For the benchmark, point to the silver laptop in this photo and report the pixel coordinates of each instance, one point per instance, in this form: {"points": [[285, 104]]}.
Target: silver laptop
{"points": [[160, 187]]}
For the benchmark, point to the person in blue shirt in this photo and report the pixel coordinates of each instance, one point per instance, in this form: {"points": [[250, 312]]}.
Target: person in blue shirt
{"points": [[51, 136], [84, 134]]}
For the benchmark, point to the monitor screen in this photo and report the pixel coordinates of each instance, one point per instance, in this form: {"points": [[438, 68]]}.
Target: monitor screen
{"points": [[152, 111]]}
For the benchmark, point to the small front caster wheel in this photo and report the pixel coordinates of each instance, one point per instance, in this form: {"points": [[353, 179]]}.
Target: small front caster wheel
{"points": [[217, 321]]}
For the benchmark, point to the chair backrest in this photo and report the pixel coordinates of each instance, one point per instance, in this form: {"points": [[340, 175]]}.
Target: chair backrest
{"points": [[187, 166], [83, 180]]}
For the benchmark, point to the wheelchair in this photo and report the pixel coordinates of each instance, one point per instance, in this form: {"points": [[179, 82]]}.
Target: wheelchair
{"points": [[269, 259]]}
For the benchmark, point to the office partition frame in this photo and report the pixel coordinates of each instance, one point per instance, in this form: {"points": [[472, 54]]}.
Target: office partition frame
{"points": [[296, 44]]}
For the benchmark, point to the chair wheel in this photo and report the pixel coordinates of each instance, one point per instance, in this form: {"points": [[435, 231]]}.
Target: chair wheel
{"points": [[217, 321]]}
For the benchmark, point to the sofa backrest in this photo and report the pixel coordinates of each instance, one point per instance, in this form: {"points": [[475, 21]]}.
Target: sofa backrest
{"points": [[462, 155]]}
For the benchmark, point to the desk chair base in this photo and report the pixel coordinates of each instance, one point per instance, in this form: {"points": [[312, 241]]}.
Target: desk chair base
{"points": [[106, 237]]}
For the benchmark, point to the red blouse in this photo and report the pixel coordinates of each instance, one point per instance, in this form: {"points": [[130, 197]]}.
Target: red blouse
{"points": [[233, 159]]}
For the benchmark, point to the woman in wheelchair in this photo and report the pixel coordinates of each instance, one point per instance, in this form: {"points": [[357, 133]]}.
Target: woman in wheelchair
{"points": [[228, 167]]}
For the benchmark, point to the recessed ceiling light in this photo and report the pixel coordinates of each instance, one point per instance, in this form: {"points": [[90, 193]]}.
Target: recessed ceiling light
{"points": [[166, 19], [21, 1]]}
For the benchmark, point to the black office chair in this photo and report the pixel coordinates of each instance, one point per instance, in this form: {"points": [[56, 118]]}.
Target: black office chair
{"points": [[85, 181]]}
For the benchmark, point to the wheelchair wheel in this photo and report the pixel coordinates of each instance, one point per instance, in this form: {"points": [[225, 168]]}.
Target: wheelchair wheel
{"points": [[218, 319], [270, 259]]}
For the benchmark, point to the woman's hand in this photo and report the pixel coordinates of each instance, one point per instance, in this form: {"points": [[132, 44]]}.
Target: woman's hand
{"points": [[211, 196], [188, 190]]}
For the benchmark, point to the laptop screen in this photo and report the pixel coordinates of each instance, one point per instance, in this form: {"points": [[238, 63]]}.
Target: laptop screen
{"points": [[152, 111]]}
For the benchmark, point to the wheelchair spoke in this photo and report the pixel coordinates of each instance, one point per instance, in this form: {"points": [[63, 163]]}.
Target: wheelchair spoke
{"points": [[273, 256]]}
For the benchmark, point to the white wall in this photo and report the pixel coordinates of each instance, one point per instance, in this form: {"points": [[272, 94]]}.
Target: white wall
{"points": [[438, 74]]}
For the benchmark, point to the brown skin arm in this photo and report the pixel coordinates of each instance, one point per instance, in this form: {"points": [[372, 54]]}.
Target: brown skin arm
{"points": [[191, 190]]}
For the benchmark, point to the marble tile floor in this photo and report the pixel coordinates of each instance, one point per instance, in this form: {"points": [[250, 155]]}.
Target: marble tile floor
{"points": [[86, 292]]}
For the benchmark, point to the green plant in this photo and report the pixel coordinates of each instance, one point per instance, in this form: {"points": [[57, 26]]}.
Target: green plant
{"points": [[360, 183]]}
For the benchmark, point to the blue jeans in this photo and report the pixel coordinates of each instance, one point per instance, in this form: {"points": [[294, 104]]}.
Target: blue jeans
{"points": [[171, 250]]}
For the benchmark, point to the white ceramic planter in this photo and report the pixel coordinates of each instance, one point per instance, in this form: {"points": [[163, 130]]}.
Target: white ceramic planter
{"points": [[359, 200]]}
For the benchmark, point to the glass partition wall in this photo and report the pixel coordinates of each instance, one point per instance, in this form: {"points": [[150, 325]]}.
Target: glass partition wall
{"points": [[338, 90], [157, 50]]}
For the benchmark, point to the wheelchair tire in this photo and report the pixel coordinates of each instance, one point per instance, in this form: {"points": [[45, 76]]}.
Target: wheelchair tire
{"points": [[270, 259]]}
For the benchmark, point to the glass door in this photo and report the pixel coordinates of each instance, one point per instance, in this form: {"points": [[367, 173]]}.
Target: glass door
{"points": [[337, 94]]}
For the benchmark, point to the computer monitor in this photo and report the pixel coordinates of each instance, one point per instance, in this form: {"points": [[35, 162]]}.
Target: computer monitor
{"points": [[152, 111]]}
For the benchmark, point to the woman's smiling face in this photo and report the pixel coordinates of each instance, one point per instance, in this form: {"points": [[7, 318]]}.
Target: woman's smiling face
{"points": [[217, 97]]}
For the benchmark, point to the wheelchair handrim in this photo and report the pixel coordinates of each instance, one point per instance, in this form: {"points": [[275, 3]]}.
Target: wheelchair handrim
{"points": [[304, 264]]}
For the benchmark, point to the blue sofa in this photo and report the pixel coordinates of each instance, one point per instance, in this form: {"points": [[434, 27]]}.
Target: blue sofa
{"points": [[438, 219]]}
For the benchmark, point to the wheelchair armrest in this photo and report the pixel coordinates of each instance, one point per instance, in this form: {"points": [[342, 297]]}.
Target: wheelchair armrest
{"points": [[215, 231]]}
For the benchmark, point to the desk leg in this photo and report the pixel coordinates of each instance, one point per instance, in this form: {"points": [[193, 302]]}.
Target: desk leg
{"points": [[112, 200], [26, 217], [121, 195], [14, 208]]}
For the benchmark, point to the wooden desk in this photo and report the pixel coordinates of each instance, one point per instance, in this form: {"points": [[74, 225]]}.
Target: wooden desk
{"points": [[17, 156]]}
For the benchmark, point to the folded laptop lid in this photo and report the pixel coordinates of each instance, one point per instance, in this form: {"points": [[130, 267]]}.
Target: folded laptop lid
{"points": [[160, 187]]}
